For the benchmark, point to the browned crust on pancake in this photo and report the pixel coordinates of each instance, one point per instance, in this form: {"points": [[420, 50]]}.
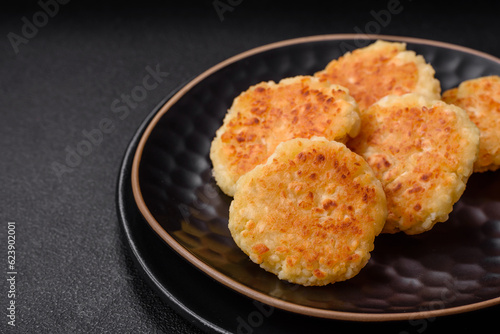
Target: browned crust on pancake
{"points": [[422, 151], [269, 113], [481, 99], [381, 69], [310, 214]]}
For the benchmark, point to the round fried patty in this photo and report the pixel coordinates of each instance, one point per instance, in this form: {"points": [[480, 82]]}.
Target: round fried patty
{"points": [[270, 113], [381, 69], [310, 214], [422, 151], [481, 100]]}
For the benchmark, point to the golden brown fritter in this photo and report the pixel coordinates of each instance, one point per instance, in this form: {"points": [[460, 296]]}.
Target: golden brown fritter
{"points": [[381, 69], [481, 99], [269, 113], [310, 213], [422, 151]]}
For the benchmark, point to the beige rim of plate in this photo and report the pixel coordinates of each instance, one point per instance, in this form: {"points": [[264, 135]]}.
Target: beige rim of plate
{"points": [[241, 288]]}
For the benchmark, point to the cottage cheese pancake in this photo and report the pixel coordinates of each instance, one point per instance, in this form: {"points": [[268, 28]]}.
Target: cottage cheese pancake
{"points": [[380, 69], [423, 152], [481, 99], [270, 113], [310, 213]]}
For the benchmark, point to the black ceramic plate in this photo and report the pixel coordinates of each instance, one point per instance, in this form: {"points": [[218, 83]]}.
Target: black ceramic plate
{"points": [[453, 268], [217, 309]]}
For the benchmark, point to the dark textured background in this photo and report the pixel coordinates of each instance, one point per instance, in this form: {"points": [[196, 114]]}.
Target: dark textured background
{"points": [[75, 273]]}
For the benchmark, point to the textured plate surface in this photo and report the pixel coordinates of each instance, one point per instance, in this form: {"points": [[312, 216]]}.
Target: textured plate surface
{"points": [[453, 268]]}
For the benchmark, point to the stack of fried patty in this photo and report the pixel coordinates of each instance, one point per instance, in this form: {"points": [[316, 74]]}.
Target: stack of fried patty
{"points": [[320, 165]]}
